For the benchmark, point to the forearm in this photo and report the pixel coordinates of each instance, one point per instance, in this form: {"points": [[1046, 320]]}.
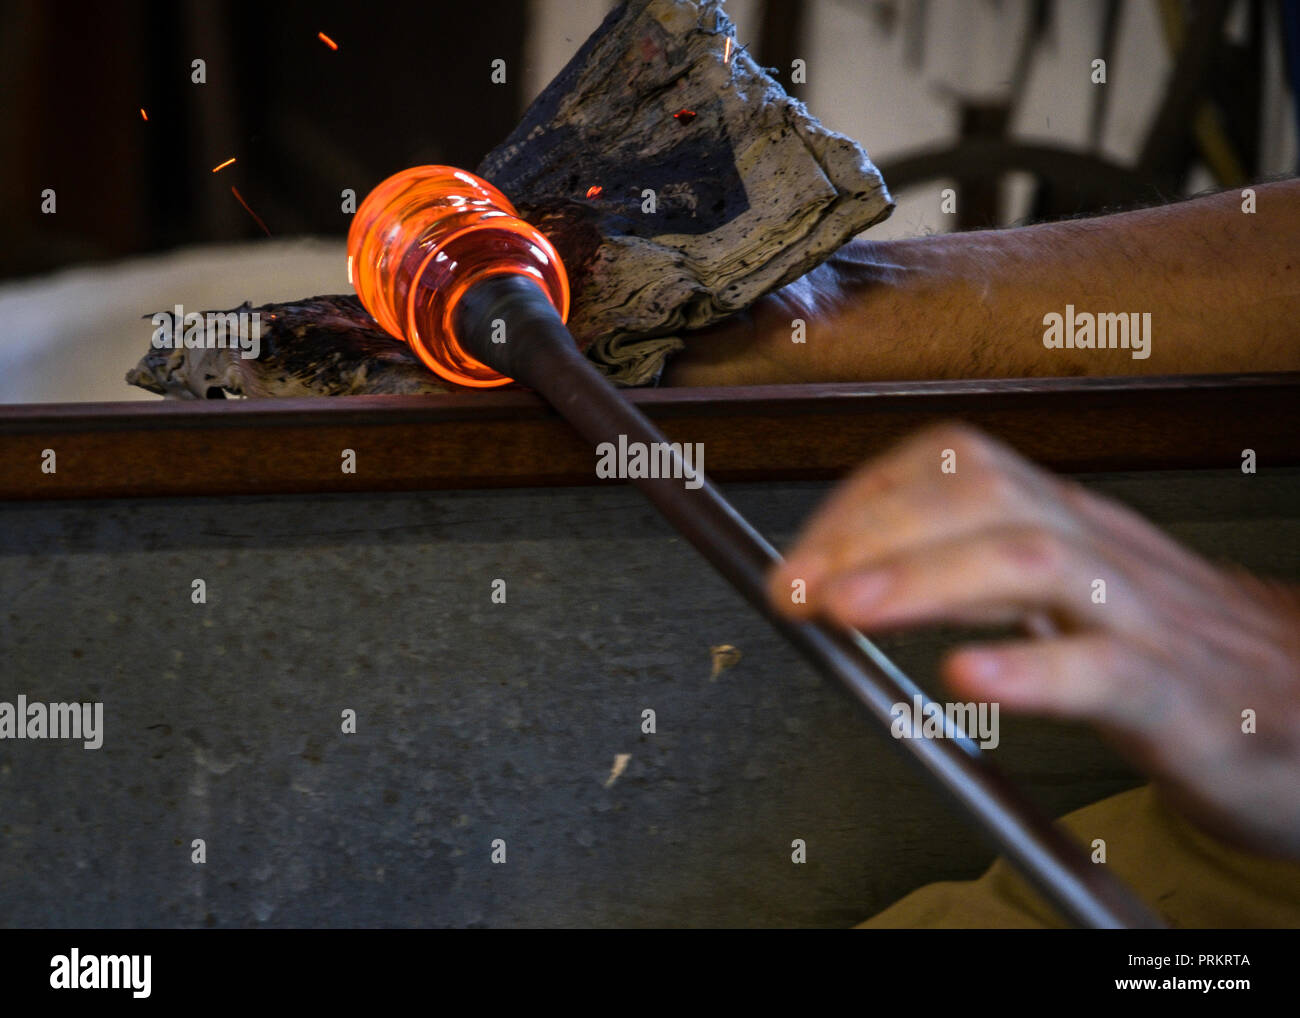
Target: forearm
{"points": [[1222, 288]]}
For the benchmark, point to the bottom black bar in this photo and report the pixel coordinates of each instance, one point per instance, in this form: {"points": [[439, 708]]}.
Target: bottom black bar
{"points": [[86, 970]]}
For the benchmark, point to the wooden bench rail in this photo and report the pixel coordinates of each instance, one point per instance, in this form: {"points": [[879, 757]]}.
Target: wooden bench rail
{"points": [[510, 438]]}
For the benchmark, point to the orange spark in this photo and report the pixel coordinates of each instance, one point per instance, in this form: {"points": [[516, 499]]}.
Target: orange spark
{"points": [[143, 113], [327, 40], [594, 191], [726, 52], [223, 165], [235, 191]]}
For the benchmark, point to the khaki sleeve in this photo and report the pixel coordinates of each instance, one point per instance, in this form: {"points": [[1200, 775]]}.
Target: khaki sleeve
{"points": [[1194, 881]]}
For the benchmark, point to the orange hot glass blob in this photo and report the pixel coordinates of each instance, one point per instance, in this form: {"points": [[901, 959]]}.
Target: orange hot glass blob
{"points": [[421, 239]]}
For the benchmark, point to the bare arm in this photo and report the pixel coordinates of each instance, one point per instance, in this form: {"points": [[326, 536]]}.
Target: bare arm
{"points": [[1222, 287]]}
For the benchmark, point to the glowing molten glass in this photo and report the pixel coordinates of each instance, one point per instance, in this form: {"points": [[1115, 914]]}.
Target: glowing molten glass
{"points": [[421, 239]]}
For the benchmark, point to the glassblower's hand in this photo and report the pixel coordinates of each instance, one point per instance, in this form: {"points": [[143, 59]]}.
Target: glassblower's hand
{"points": [[1167, 665]]}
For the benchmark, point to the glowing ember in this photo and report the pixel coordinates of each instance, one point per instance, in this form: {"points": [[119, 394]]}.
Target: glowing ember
{"points": [[685, 116], [422, 239], [215, 169], [594, 191], [240, 198], [327, 40], [726, 51], [143, 114]]}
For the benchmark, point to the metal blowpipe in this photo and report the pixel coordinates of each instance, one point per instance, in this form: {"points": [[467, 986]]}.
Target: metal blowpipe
{"points": [[442, 260]]}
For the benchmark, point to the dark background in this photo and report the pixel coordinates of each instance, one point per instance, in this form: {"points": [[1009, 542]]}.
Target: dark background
{"points": [[304, 121]]}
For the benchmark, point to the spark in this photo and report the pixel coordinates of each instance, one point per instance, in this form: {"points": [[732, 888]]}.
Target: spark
{"points": [[240, 198], [327, 40], [685, 116], [620, 765], [726, 51], [143, 114], [724, 656], [216, 169], [594, 191]]}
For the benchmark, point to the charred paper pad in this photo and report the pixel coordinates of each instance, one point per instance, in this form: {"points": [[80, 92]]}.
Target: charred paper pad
{"points": [[321, 346], [751, 192]]}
